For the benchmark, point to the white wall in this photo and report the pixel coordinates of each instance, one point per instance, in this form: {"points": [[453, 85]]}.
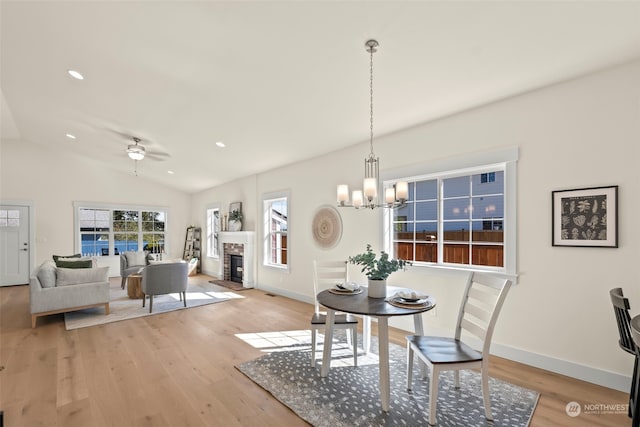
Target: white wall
{"points": [[53, 182], [579, 133]]}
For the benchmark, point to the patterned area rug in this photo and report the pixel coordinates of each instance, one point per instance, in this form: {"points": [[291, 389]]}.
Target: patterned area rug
{"points": [[121, 307], [349, 396]]}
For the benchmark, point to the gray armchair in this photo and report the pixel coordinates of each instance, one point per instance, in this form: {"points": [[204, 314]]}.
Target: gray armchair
{"points": [[131, 263], [165, 278]]}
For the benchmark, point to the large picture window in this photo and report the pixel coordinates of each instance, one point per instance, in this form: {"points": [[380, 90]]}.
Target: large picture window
{"points": [[276, 230], [457, 219], [106, 231]]}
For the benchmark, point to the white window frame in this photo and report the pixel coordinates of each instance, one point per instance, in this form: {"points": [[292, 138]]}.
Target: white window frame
{"points": [[77, 206], [267, 200], [506, 160], [213, 232]]}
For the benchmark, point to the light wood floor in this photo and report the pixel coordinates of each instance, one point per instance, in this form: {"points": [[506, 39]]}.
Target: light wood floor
{"points": [[177, 369]]}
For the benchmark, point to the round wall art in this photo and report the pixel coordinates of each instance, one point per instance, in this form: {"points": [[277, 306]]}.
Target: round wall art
{"points": [[327, 227]]}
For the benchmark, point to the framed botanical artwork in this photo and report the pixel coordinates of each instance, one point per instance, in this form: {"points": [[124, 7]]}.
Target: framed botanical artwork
{"points": [[585, 217]]}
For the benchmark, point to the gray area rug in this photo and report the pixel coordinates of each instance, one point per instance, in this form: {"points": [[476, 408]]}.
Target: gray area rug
{"points": [[121, 307], [349, 396]]}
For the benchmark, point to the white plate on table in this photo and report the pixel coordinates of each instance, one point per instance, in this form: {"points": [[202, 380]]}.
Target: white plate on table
{"points": [[343, 291], [410, 301]]}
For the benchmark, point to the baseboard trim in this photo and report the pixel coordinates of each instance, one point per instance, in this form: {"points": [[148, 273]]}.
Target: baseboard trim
{"points": [[279, 291], [564, 367]]}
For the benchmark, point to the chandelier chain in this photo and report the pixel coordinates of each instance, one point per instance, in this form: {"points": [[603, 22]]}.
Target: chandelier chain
{"points": [[371, 50]]}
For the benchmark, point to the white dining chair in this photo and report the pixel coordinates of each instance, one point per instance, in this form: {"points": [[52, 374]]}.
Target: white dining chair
{"points": [[325, 275], [481, 304]]}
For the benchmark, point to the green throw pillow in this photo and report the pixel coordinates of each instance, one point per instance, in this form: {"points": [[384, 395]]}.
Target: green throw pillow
{"points": [[84, 263], [55, 257]]}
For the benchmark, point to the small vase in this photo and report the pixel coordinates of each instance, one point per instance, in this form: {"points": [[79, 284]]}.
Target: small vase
{"points": [[235, 225], [377, 288]]}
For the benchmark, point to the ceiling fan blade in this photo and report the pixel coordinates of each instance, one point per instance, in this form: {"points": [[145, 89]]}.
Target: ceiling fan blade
{"points": [[161, 157]]}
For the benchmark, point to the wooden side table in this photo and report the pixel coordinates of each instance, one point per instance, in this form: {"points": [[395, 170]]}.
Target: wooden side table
{"points": [[134, 284]]}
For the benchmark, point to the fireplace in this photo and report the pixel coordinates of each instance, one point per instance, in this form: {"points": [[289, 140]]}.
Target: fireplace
{"points": [[235, 270], [241, 246], [231, 251]]}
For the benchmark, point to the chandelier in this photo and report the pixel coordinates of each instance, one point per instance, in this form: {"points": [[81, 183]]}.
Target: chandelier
{"points": [[394, 196]]}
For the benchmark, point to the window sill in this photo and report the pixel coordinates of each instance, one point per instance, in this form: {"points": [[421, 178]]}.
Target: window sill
{"points": [[472, 269]]}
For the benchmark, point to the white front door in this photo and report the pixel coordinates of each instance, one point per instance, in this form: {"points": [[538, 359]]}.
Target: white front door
{"points": [[14, 245]]}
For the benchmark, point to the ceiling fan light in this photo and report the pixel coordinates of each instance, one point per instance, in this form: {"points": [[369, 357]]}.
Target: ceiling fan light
{"points": [[136, 152]]}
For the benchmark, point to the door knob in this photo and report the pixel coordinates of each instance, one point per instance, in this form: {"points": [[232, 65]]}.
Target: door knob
{"points": [[25, 249]]}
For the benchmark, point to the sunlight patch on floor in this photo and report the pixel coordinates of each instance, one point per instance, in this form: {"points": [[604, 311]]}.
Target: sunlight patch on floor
{"points": [[207, 295], [300, 340]]}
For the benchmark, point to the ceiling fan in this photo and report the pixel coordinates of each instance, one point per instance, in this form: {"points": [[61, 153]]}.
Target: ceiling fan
{"points": [[136, 151]]}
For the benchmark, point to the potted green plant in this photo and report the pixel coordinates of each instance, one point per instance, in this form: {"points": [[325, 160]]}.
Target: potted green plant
{"points": [[235, 220], [377, 269]]}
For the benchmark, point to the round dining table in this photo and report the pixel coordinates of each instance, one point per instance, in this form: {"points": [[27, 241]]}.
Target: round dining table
{"points": [[380, 308]]}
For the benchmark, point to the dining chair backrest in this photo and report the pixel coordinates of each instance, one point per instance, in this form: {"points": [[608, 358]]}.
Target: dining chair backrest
{"points": [[326, 274], [634, 395], [621, 308], [481, 304], [634, 327]]}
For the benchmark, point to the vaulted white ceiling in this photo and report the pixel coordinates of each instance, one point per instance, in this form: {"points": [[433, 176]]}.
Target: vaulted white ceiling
{"points": [[278, 82]]}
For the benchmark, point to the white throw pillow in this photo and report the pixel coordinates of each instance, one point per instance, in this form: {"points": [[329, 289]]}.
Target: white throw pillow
{"points": [[75, 276], [47, 274], [136, 258]]}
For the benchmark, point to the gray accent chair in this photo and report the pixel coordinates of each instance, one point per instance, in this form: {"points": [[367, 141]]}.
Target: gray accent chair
{"points": [[165, 278], [126, 269]]}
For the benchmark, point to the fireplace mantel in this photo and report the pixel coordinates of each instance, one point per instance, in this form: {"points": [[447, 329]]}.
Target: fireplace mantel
{"points": [[246, 238]]}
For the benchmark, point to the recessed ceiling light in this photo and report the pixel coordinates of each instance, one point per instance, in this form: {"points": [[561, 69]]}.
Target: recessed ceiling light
{"points": [[75, 74], [71, 136], [220, 144], [170, 172]]}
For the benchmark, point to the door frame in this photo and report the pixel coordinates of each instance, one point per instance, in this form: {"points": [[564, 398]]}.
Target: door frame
{"points": [[29, 204]]}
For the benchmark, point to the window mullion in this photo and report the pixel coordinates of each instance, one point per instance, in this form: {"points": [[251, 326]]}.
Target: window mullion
{"points": [[414, 236], [112, 237], [440, 221], [471, 207]]}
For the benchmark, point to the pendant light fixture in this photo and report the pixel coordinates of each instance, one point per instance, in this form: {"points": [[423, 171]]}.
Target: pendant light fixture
{"points": [[394, 196]]}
